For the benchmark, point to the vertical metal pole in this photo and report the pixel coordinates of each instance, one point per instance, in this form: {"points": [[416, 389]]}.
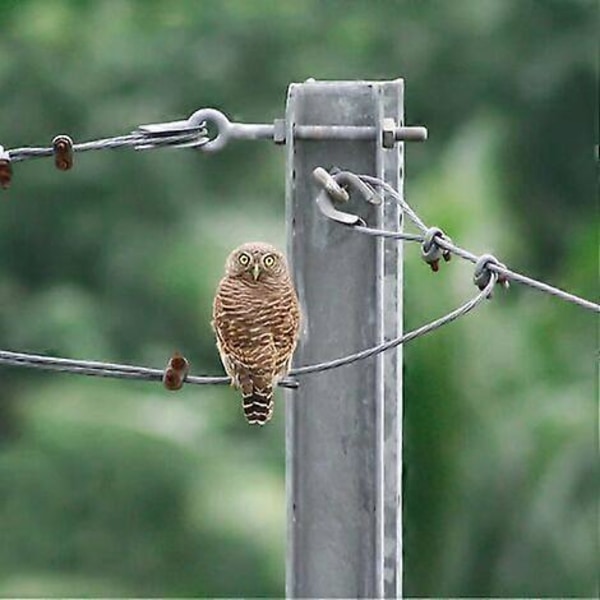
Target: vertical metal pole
{"points": [[343, 438]]}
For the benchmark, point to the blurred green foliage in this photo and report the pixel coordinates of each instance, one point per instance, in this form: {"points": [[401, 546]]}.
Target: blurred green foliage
{"points": [[119, 489]]}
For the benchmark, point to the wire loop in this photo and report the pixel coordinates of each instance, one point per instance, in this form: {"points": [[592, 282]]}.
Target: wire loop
{"points": [[431, 252], [332, 190], [504, 273], [482, 273], [403, 339], [329, 183], [354, 182]]}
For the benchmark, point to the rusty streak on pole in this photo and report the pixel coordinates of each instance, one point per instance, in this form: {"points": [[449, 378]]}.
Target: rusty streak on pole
{"points": [[344, 426]]}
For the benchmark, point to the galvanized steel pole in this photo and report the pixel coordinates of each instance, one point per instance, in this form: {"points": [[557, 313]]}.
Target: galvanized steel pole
{"points": [[344, 426]]}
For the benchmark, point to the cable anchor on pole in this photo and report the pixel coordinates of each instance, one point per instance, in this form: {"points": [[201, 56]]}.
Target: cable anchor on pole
{"points": [[226, 130]]}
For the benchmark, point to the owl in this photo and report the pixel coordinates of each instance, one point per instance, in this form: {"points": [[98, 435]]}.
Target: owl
{"points": [[256, 319]]}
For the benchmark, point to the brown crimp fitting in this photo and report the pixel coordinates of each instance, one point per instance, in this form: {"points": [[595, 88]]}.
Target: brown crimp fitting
{"points": [[177, 369], [5, 173], [5, 169], [63, 152], [172, 380], [430, 251], [179, 363]]}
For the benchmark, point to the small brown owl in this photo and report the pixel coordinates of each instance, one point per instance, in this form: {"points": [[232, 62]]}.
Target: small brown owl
{"points": [[256, 319]]}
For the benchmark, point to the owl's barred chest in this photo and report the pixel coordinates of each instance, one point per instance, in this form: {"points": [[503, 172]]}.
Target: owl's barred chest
{"points": [[255, 310]]}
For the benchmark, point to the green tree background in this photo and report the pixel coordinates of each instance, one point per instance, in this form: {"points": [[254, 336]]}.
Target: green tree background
{"points": [[120, 489]]}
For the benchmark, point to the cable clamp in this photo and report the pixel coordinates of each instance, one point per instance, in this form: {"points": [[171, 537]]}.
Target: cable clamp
{"points": [[482, 273], [186, 133], [62, 147], [431, 252], [223, 131], [175, 373]]}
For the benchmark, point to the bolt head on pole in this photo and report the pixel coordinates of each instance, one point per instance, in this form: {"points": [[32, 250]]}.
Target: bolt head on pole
{"points": [[391, 133]]}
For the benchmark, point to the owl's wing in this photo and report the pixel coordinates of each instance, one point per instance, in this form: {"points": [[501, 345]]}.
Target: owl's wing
{"points": [[286, 338]]}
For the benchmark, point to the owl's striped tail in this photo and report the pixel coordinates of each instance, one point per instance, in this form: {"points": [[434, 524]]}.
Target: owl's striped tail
{"points": [[258, 405]]}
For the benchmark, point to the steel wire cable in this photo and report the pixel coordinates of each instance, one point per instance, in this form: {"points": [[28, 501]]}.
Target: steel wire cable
{"points": [[446, 244], [122, 371], [403, 339], [137, 139]]}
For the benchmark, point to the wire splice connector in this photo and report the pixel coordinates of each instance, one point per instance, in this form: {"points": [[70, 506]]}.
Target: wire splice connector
{"points": [[62, 146], [177, 370], [5, 168], [504, 273], [482, 274], [431, 252]]}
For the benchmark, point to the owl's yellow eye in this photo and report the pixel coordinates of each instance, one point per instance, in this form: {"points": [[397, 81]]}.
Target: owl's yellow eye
{"points": [[269, 261], [244, 259]]}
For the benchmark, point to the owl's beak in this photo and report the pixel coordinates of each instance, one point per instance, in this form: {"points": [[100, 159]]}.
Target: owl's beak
{"points": [[255, 271]]}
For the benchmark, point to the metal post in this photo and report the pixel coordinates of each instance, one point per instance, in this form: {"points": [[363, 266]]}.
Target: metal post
{"points": [[343, 438]]}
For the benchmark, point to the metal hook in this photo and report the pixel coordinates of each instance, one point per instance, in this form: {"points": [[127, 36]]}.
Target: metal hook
{"points": [[330, 185], [363, 188], [219, 120], [226, 130], [331, 189]]}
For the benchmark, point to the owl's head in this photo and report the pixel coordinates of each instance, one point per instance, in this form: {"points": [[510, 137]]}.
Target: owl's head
{"points": [[257, 261]]}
